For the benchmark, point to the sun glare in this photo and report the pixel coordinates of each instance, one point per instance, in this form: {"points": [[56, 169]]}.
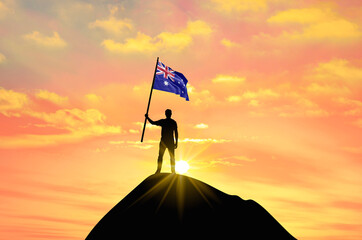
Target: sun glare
{"points": [[182, 167]]}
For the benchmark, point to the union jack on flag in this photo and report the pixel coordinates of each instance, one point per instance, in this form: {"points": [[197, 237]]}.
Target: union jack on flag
{"points": [[171, 81]]}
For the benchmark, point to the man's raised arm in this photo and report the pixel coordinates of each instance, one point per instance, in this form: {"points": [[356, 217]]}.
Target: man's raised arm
{"points": [[149, 119]]}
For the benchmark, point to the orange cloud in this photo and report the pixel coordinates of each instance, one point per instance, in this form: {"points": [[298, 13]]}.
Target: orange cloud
{"points": [[12, 102], [254, 103], [300, 106], [237, 6], [52, 97], [78, 129], [201, 126], [239, 158], [261, 93], [302, 16], [203, 140], [333, 30], [227, 43], [203, 98], [338, 69], [70, 119], [335, 78], [112, 24], [79, 124], [136, 144], [2, 58], [142, 43], [54, 41], [93, 98], [232, 161], [318, 24], [149, 126], [169, 41], [233, 99], [228, 79], [4, 10], [147, 144], [198, 27], [327, 89], [355, 106]]}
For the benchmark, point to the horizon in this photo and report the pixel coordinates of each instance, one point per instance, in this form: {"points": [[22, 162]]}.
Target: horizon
{"points": [[275, 110]]}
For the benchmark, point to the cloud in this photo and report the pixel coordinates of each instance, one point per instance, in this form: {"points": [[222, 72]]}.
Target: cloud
{"points": [[75, 13], [4, 10], [253, 103], [237, 6], [236, 160], [36, 141], [136, 144], [2, 58], [336, 77], [11, 102], [318, 24], [149, 126], [232, 161], [301, 15], [167, 41], [173, 41], [215, 162], [358, 122], [282, 101], [356, 150], [142, 43], [93, 98], [203, 140], [201, 126], [334, 30], [227, 43], [52, 97], [147, 144], [134, 131], [228, 79], [254, 97], [198, 27], [300, 107], [260, 94], [112, 24], [349, 102], [233, 99], [338, 69], [77, 124], [327, 89], [90, 120], [203, 98], [355, 106], [54, 41]]}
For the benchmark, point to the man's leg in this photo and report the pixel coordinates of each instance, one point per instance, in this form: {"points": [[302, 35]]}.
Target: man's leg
{"points": [[171, 150], [160, 156]]}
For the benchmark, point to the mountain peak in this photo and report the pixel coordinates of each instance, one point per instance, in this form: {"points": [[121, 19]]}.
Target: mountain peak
{"points": [[185, 207]]}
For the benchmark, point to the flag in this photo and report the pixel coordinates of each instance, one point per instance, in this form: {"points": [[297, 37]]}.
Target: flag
{"points": [[171, 81]]}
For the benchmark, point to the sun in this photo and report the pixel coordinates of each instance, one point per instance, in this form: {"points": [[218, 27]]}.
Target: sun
{"points": [[182, 167]]}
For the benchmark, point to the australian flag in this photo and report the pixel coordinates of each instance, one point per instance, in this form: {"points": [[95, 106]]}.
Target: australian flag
{"points": [[171, 81]]}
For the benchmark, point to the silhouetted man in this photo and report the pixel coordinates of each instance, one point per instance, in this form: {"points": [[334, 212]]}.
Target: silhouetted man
{"points": [[169, 127]]}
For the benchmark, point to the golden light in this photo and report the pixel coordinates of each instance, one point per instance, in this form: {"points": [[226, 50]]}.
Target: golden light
{"points": [[182, 167]]}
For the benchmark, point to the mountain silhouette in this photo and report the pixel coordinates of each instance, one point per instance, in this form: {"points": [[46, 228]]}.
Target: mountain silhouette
{"points": [[167, 206]]}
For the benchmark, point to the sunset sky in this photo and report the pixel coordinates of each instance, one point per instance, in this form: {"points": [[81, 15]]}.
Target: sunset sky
{"points": [[275, 110]]}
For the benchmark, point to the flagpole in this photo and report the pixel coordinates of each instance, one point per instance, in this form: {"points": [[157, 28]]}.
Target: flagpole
{"points": [[149, 101]]}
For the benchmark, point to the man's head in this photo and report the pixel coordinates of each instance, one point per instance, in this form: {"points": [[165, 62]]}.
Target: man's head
{"points": [[168, 113]]}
